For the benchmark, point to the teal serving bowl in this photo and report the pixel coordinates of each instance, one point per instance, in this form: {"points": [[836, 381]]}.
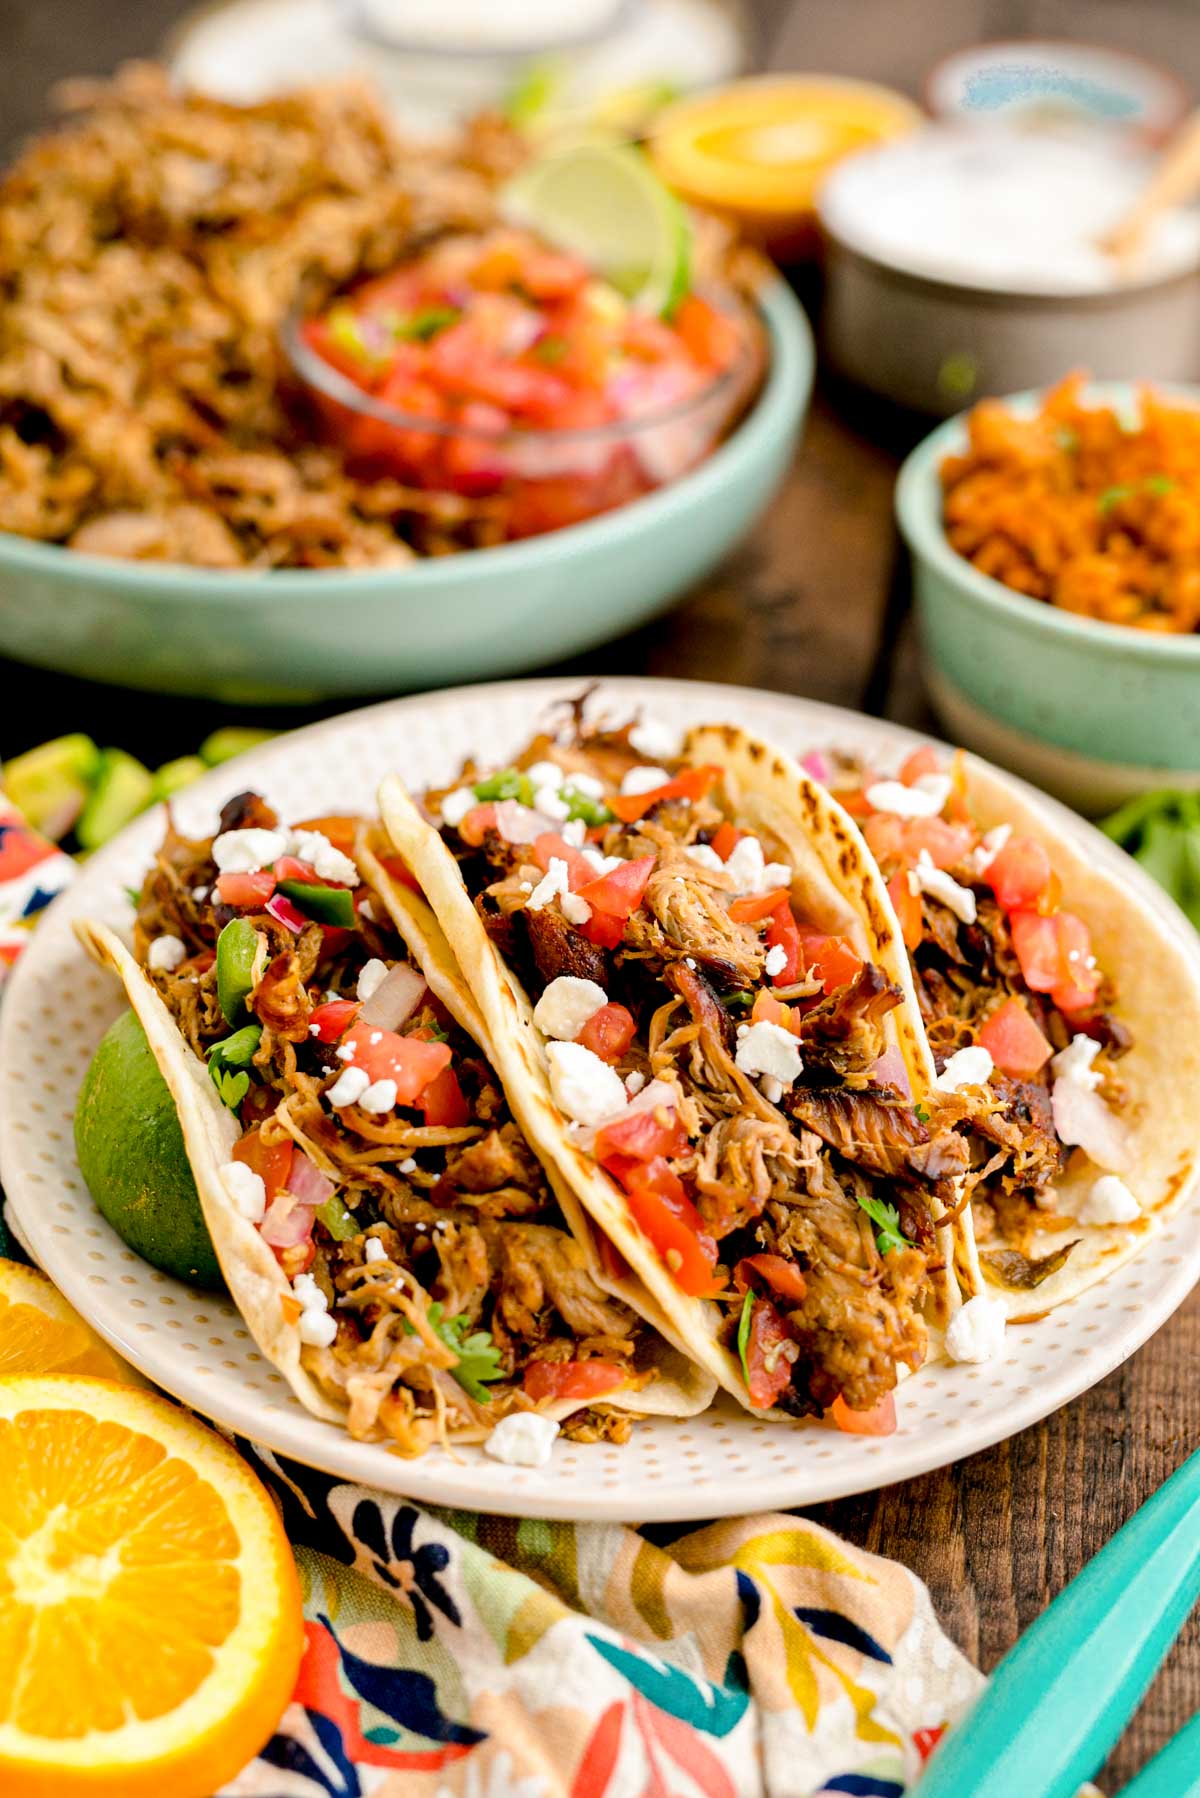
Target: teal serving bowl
{"points": [[286, 636], [1092, 712]]}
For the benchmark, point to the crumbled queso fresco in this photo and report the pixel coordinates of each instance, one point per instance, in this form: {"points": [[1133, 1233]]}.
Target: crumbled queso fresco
{"points": [[768, 1049], [567, 1005], [165, 954], [1108, 1202], [586, 1088], [976, 1333], [522, 1439], [943, 887], [966, 1067], [924, 799], [246, 1190]]}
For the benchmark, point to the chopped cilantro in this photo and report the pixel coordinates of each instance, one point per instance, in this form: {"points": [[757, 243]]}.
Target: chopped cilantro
{"points": [[134, 896], [581, 805], [551, 349], [922, 1113], [225, 1058], [420, 326], [886, 1218], [1112, 496], [478, 1356], [231, 1087], [743, 1335], [1158, 484], [509, 783]]}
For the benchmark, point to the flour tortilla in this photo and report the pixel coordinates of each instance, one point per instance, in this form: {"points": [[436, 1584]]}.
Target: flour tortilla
{"points": [[254, 1277], [1156, 970], [833, 884]]}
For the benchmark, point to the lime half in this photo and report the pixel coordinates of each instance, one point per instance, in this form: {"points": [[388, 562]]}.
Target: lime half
{"points": [[603, 202]]}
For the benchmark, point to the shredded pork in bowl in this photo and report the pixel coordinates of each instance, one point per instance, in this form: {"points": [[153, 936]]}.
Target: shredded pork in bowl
{"points": [[154, 245]]}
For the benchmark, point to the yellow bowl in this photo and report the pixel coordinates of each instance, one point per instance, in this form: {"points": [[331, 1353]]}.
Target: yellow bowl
{"points": [[759, 149]]}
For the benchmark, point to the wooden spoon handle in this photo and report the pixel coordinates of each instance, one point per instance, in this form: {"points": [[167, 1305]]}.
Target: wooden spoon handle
{"points": [[1176, 179]]}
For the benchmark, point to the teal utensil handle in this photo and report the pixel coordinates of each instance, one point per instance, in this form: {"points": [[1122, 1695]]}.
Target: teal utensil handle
{"points": [[1058, 1701], [1175, 1770]]}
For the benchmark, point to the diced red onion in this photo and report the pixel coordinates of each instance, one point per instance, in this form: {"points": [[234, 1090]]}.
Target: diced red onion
{"points": [[284, 912], [395, 998], [307, 1183], [889, 1070], [817, 764], [519, 823], [287, 1223], [1083, 1120]]}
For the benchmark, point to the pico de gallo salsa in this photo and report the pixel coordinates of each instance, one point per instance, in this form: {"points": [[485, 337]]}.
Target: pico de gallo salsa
{"points": [[497, 368]]}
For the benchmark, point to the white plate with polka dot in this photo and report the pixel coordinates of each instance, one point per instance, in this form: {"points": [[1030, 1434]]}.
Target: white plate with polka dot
{"points": [[196, 1346]]}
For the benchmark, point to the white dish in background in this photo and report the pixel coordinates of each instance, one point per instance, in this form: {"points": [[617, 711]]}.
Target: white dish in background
{"points": [[723, 1463], [243, 50], [1003, 211]]}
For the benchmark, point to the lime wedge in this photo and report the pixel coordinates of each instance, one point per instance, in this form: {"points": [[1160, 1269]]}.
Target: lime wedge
{"points": [[603, 202]]}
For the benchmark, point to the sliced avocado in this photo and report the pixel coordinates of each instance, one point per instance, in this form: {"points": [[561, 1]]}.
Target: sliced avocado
{"points": [[124, 787], [223, 745], [238, 948], [49, 785], [172, 777]]}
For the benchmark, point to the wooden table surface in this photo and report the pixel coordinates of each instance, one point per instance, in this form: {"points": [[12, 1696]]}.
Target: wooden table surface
{"points": [[814, 604]]}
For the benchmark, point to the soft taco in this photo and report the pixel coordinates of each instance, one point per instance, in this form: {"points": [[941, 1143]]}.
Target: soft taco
{"points": [[705, 1020], [392, 1240], [1062, 1014]]}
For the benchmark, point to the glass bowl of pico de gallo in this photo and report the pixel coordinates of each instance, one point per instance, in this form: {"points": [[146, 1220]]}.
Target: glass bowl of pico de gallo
{"points": [[509, 373]]}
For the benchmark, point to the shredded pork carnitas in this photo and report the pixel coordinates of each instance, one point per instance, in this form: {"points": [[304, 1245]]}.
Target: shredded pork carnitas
{"points": [[150, 250], [475, 1271]]}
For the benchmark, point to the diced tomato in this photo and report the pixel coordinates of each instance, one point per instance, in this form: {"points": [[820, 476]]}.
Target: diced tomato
{"points": [[1019, 873], [769, 1010], [666, 1216], [753, 907], [619, 892], [246, 892], [1079, 978], [603, 929], [908, 909], [768, 1368], [571, 1379], [921, 762], [272, 1162], [692, 784], [1013, 1040], [726, 838], [407, 1060], [781, 1275], [608, 1032], [1035, 940], [712, 338], [290, 867], [443, 1103], [835, 961], [783, 933], [329, 1022], [551, 275], [902, 839], [398, 870], [339, 831], [333, 940], [478, 821], [879, 1421], [641, 1136], [580, 872]]}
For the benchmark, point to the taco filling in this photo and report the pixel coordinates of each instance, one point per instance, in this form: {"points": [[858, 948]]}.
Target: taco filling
{"points": [[430, 1273], [720, 1053], [1022, 1021]]}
